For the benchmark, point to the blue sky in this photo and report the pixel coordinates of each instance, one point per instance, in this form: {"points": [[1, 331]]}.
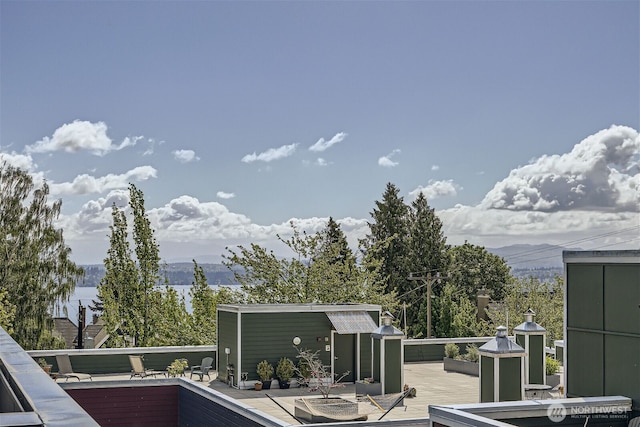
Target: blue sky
{"points": [[519, 120]]}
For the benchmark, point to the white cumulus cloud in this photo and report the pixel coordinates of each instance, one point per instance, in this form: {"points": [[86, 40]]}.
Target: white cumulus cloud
{"points": [[322, 145], [20, 161], [271, 154], [86, 184], [600, 172], [80, 136], [435, 189], [185, 156], [385, 161]]}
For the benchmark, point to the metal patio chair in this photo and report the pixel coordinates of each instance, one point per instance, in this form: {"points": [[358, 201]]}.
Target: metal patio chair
{"points": [[66, 371]]}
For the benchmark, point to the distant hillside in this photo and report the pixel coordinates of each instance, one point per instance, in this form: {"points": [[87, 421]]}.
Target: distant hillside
{"points": [[179, 273], [541, 261], [531, 256]]}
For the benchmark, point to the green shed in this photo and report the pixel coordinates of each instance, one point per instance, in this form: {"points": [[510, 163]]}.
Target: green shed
{"points": [[249, 333], [602, 324]]}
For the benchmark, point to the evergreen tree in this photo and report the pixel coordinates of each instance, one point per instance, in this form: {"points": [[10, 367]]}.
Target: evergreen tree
{"points": [[427, 253], [387, 240], [35, 269]]}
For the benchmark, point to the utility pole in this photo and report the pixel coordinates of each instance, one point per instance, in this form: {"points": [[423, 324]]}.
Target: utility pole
{"points": [[428, 281]]}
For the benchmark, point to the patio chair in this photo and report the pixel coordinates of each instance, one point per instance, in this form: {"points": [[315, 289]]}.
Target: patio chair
{"points": [[66, 371], [203, 368], [138, 369]]}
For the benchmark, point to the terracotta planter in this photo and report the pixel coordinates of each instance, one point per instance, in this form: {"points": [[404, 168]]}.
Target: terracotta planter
{"points": [[258, 386]]}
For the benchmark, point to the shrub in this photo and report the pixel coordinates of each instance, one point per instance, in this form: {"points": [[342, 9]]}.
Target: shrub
{"points": [[265, 370], [451, 350], [285, 369], [472, 354], [177, 367], [553, 365]]}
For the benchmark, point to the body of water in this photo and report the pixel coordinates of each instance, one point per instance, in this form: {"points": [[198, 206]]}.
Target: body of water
{"points": [[86, 295]]}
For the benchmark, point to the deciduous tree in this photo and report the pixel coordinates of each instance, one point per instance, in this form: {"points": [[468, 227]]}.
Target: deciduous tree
{"points": [[35, 266], [315, 273]]}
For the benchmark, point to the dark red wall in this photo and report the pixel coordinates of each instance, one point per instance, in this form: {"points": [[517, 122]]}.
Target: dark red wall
{"points": [[131, 406]]}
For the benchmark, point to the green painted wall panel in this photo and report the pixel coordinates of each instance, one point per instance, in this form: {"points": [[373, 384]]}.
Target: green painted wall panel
{"points": [[269, 336], [585, 362], [510, 379], [365, 356], [376, 359], [119, 363], [486, 377], [227, 338], [622, 298], [584, 296], [393, 366], [622, 367], [537, 372]]}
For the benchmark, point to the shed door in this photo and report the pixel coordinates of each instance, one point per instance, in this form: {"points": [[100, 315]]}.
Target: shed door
{"points": [[344, 356]]}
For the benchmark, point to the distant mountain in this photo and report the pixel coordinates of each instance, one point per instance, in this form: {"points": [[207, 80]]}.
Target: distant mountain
{"points": [[179, 273], [531, 256], [541, 261]]}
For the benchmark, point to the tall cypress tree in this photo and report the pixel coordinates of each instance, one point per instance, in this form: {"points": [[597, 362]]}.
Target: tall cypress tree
{"points": [[148, 255], [118, 289]]}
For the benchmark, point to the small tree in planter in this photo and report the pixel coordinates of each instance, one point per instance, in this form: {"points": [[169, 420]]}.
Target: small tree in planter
{"points": [[313, 373], [265, 372], [451, 350], [284, 371]]}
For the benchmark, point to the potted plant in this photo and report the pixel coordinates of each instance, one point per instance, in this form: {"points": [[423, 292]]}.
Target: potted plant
{"points": [[44, 365], [552, 367], [265, 372], [284, 371], [177, 367]]}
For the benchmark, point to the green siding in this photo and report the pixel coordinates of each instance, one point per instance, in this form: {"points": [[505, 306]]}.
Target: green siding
{"points": [[537, 373], [560, 355], [365, 356], [376, 359], [584, 296], [486, 377], [269, 336], [602, 352], [393, 366], [622, 299], [520, 340], [510, 378], [228, 338], [584, 364], [119, 363], [622, 361]]}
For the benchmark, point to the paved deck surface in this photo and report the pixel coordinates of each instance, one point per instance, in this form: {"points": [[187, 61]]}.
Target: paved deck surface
{"points": [[433, 386]]}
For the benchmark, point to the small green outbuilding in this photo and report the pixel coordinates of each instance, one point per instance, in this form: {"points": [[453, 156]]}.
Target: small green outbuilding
{"points": [[250, 333]]}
